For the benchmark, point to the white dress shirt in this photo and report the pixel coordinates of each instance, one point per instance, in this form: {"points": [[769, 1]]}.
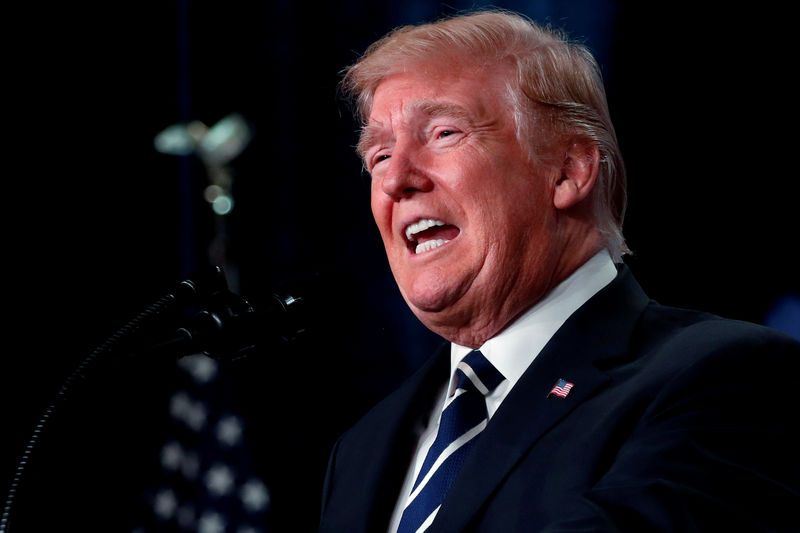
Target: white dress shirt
{"points": [[513, 350]]}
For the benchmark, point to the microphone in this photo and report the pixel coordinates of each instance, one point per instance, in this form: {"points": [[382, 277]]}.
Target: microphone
{"points": [[226, 326]]}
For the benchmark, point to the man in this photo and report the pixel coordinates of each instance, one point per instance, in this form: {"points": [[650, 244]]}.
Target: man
{"points": [[498, 190]]}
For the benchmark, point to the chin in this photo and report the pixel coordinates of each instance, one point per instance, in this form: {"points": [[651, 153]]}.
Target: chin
{"points": [[428, 293], [421, 304], [440, 315]]}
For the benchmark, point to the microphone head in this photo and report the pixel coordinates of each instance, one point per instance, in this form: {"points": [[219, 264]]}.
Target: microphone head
{"points": [[227, 327]]}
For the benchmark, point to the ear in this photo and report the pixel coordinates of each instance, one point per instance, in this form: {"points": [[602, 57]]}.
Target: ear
{"points": [[578, 174]]}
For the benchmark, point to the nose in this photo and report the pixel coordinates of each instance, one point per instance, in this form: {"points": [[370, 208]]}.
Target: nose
{"points": [[405, 175]]}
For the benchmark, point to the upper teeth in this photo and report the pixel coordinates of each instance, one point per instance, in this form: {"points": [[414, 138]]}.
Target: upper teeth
{"points": [[421, 225]]}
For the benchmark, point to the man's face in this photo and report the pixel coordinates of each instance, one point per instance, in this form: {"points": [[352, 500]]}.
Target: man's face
{"points": [[466, 217]]}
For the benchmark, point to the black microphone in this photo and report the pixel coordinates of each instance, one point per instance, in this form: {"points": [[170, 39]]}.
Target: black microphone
{"points": [[226, 326], [222, 325]]}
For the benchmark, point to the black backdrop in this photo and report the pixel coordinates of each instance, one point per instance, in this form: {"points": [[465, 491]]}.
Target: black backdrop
{"points": [[98, 224]]}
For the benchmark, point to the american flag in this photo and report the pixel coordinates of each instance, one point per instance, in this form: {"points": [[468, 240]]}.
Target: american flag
{"points": [[208, 483], [561, 388]]}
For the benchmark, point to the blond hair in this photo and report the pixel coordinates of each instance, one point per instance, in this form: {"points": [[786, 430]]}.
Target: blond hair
{"points": [[554, 83]]}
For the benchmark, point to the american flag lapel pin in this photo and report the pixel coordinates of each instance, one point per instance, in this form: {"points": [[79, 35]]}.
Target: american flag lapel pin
{"points": [[561, 388]]}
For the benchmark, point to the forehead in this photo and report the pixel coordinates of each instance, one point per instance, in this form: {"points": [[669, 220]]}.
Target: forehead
{"points": [[412, 97], [416, 112], [434, 92]]}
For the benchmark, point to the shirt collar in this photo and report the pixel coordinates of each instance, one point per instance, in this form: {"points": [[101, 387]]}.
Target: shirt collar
{"points": [[515, 348]]}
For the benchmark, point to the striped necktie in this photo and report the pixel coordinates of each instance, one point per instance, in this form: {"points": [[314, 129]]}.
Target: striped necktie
{"points": [[463, 418]]}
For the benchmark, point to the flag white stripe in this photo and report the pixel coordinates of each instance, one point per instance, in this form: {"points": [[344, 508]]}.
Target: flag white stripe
{"points": [[447, 452]]}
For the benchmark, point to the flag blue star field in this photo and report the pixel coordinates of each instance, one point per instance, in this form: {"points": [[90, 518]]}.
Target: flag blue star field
{"points": [[561, 388], [207, 483]]}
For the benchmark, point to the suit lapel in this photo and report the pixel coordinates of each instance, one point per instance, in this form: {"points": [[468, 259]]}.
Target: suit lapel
{"points": [[392, 435], [600, 330]]}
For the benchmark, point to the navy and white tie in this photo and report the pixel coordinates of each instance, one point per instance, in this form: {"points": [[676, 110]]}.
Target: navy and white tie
{"points": [[463, 418]]}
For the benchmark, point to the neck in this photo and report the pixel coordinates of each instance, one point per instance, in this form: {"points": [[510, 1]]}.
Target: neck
{"points": [[475, 329]]}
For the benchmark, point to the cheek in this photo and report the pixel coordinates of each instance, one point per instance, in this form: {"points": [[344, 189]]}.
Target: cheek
{"points": [[382, 214]]}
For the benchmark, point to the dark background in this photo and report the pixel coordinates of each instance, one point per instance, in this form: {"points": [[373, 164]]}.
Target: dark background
{"points": [[98, 224]]}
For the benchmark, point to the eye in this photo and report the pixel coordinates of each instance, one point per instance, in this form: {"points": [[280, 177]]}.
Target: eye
{"points": [[445, 134], [379, 157]]}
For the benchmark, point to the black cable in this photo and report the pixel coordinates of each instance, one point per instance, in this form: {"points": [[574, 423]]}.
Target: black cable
{"points": [[152, 312], [226, 327]]}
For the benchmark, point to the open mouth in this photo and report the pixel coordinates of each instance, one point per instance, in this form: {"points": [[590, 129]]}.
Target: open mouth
{"points": [[428, 234]]}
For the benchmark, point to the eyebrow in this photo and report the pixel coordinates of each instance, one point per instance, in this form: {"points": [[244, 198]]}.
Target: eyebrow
{"points": [[372, 133], [369, 136]]}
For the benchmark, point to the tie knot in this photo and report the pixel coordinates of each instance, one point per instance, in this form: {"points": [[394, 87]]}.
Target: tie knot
{"points": [[474, 370]]}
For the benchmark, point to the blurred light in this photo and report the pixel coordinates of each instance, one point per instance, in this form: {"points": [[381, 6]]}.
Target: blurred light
{"points": [[225, 140], [221, 202], [175, 140], [212, 192], [216, 146], [222, 205]]}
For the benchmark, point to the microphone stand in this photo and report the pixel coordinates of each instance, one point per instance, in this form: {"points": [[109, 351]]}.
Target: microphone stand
{"points": [[225, 326]]}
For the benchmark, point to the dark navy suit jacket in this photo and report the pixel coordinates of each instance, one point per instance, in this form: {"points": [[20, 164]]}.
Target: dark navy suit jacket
{"points": [[677, 421]]}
